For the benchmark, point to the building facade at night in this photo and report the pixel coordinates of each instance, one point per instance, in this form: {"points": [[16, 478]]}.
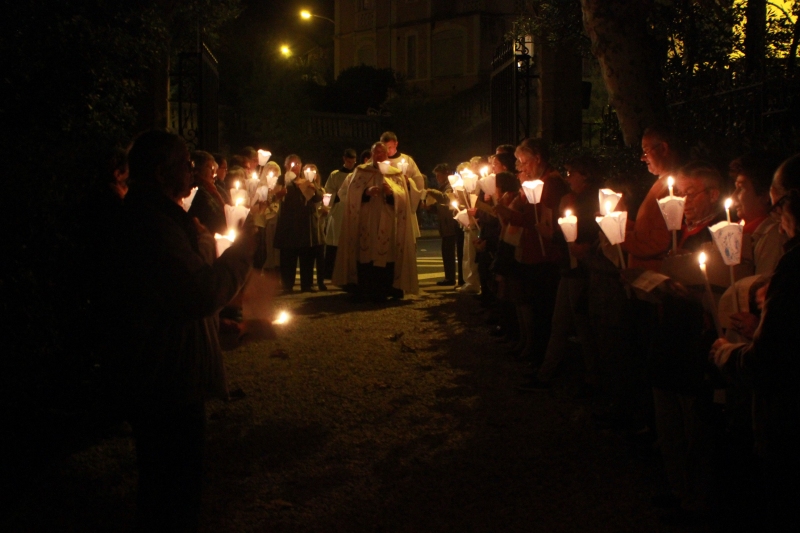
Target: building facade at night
{"points": [[441, 46]]}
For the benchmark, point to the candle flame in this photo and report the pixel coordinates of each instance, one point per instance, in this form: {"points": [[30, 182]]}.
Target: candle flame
{"points": [[484, 171], [454, 204], [608, 208], [255, 175], [271, 174], [283, 318], [236, 184], [568, 213], [239, 201], [701, 259], [670, 181], [292, 165], [728, 203]]}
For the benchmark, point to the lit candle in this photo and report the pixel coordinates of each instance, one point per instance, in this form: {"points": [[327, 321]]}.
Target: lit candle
{"points": [[224, 241], [728, 204], [701, 260], [608, 208], [283, 318], [454, 204], [607, 195], [569, 226], [670, 184], [326, 199], [484, 172]]}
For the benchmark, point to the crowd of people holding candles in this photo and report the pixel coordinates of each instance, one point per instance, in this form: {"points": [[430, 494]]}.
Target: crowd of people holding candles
{"points": [[684, 304]]}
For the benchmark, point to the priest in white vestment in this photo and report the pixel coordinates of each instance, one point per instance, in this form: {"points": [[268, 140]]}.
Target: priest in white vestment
{"points": [[377, 250], [415, 182]]}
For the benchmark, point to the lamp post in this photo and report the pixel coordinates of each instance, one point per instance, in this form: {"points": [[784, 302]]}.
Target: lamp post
{"points": [[306, 15]]}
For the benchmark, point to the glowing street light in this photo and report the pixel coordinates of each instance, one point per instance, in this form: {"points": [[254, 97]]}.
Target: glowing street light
{"points": [[285, 50], [306, 15]]}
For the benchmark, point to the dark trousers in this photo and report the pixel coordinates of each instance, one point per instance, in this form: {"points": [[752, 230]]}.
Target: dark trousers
{"points": [[169, 455], [289, 258], [544, 278], [319, 263], [375, 282], [330, 260], [452, 247]]}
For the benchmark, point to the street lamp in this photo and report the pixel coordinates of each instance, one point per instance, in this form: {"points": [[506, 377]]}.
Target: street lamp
{"points": [[286, 51], [306, 15]]}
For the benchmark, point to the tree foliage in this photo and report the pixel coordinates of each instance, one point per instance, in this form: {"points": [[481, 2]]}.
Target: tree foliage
{"points": [[74, 71]]}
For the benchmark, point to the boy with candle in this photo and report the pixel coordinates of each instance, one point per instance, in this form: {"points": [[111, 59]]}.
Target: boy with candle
{"points": [[449, 230]]}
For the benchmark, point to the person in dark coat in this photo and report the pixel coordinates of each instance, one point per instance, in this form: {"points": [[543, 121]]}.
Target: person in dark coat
{"points": [[208, 206], [297, 233], [449, 230], [164, 359], [769, 364]]}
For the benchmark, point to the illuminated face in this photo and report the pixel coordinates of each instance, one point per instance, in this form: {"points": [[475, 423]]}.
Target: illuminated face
{"points": [[497, 166], [391, 147], [527, 165], [205, 172], [349, 162], [380, 153], [699, 199], [748, 204], [654, 153]]}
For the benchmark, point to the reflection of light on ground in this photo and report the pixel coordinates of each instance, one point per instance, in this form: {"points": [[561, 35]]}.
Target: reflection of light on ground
{"points": [[283, 318]]}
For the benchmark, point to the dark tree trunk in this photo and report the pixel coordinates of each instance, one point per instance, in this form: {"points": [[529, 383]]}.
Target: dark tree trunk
{"points": [[755, 38], [792, 59], [629, 63]]}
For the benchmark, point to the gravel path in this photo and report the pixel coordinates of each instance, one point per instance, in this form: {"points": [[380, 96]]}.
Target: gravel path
{"points": [[366, 418]]}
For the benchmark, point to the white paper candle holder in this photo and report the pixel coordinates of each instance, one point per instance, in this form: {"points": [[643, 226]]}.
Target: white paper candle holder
{"points": [[263, 157], [488, 184], [569, 226], [613, 226], [672, 211], [608, 198], [235, 215], [533, 190], [728, 238], [187, 202]]}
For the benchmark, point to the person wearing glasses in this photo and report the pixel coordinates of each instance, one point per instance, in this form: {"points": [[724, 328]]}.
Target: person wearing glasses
{"points": [[769, 364], [699, 183], [647, 239], [753, 173]]}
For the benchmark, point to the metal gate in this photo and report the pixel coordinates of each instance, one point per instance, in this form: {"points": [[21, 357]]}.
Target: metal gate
{"points": [[195, 106], [512, 90]]}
